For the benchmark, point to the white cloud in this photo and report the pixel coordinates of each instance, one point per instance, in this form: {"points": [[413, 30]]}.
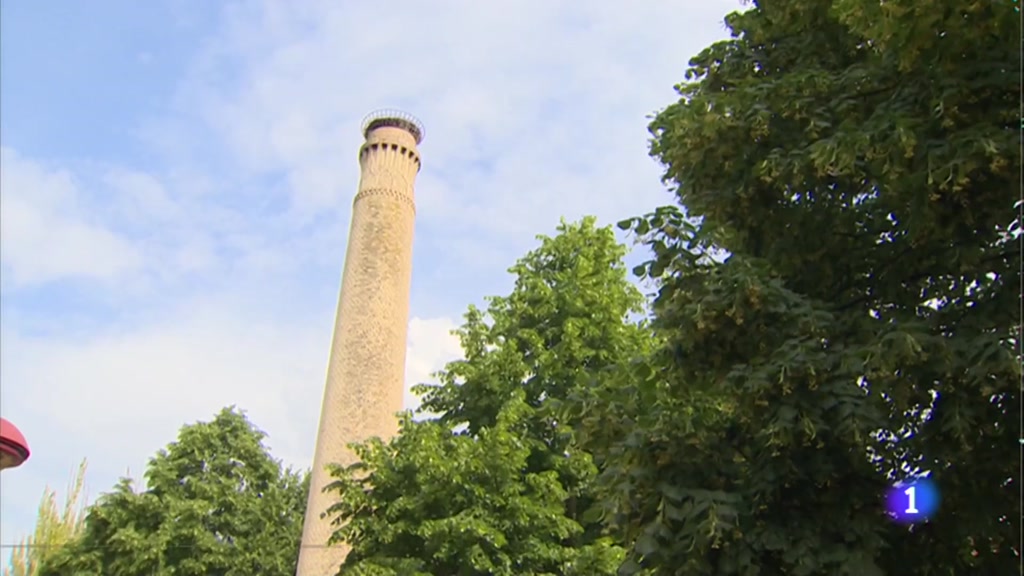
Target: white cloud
{"points": [[431, 346], [142, 197], [48, 233], [528, 105]]}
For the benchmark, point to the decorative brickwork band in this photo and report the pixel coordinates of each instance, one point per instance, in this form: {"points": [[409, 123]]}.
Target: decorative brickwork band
{"points": [[393, 194], [366, 370]]}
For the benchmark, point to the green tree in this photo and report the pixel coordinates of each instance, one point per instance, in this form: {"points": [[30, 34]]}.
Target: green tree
{"points": [[55, 528], [839, 302], [495, 484], [216, 503], [434, 502]]}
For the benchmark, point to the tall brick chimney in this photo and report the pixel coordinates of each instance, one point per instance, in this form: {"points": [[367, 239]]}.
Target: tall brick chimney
{"points": [[366, 372]]}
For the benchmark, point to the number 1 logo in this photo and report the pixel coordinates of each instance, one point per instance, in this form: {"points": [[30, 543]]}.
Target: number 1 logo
{"points": [[911, 508], [911, 502]]}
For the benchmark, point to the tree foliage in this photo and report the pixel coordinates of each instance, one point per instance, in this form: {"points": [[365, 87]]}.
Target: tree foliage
{"points": [[495, 484], [216, 503], [839, 302], [55, 528]]}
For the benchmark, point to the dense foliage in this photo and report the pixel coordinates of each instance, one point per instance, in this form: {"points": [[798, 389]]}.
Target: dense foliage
{"points": [[839, 305], [495, 484], [216, 503]]}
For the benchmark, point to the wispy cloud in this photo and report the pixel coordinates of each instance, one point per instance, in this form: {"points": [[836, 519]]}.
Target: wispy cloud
{"points": [[47, 234]]}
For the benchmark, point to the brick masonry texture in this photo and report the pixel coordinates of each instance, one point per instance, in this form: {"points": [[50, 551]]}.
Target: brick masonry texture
{"points": [[366, 371]]}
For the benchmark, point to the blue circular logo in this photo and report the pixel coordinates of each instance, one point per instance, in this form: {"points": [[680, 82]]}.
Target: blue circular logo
{"points": [[912, 501]]}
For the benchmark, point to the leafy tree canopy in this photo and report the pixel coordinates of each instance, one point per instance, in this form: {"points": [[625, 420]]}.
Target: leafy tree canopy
{"points": [[855, 164], [216, 503], [434, 502], [495, 484]]}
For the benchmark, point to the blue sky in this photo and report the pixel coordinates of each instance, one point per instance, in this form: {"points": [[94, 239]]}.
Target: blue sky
{"points": [[177, 177]]}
